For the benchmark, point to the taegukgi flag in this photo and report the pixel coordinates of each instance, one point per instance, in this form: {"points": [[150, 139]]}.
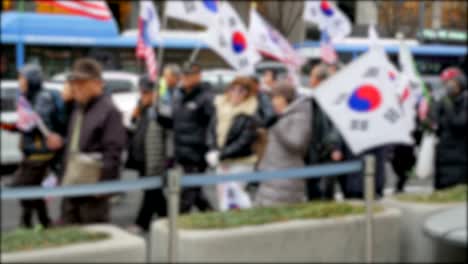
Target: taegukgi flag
{"points": [[230, 39], [200, 12], [327, 17], [270, 42], [405, 59], [362, 103], [406, 100], [399, 81]]}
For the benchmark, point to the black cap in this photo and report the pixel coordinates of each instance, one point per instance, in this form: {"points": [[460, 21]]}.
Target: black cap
{"points": [[86, 69], [191, 68], [32, 73], [146, 84]]}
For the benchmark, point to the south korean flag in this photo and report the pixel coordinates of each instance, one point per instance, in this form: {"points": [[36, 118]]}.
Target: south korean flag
{"points": [[200, 12], [362, 102], [230, 40], [328, 18]]}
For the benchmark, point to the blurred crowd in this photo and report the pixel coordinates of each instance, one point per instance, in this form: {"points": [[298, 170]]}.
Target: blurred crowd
{"points": [[258, 123]]}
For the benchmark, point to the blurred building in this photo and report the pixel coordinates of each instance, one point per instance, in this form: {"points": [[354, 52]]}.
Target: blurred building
{"points": [[436, 21]]}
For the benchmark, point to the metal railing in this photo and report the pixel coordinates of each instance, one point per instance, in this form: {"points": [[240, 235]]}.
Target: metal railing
{"points": [[176, 180]]}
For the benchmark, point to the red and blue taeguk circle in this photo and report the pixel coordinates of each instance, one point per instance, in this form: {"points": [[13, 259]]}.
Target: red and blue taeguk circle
{"points": [[239, 42], [326, 8], [211, 5], [365, 98]]}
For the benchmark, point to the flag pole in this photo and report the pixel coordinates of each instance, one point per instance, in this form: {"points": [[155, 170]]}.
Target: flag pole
{"points": [[161, 43]]}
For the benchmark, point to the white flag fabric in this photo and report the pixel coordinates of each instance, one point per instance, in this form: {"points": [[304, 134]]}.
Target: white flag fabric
{"points": [[373, 36], [150, 17], [327, 17], [229, 39], [200, 12], [407, 65], [400, 83], [270, 42], [362, 103]]}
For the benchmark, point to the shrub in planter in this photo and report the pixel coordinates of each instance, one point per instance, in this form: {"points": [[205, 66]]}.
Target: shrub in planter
{"points": [[416, 208], [303, 232], [104, 243]]}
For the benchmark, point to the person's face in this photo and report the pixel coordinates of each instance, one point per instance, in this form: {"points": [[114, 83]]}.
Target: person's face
{"points": [[237, 94], [67, 93], [190, 80], [268, 78], [23, 84], [313, 79], [453, 89], [84, 90], [147, 97], [170, 78], [279, 104]]}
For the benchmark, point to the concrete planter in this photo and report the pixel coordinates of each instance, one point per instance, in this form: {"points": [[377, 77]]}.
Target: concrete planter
{"points": [[121, 246], [317, 240], [415, 246]]}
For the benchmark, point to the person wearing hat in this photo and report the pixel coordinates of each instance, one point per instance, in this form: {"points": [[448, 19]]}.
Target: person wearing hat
{"points": [[147, 152], [96, 131], [450, 115], [192, 109], [39, 142]]}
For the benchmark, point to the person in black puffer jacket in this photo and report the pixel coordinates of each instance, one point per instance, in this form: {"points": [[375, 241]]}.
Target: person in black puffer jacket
{"points": [[451, 117], [232, 135], [38, 149], [192, 110]]}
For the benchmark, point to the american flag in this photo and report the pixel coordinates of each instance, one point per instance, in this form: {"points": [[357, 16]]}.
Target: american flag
{"points": [[27, 118], [148, 29], [327, 51], [93, 9]]}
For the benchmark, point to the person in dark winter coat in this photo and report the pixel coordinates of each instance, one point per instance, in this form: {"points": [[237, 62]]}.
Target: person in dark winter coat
{"points": [[233, 132], [266, 113], [101, 132], [326, 142], [451, 117], [192, 110], [288, 141], [38, 149], [147, 150]]}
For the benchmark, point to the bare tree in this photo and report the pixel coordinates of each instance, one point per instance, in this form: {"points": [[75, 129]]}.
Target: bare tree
{"points": [[286, 16]]}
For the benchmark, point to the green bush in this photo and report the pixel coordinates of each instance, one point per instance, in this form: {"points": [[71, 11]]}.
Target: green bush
{"points": [[28, 239], [265, 215], [451, 195]]}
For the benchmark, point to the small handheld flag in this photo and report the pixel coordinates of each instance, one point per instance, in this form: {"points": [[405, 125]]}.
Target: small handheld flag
{"points": [[27, 118], [148, 31]]}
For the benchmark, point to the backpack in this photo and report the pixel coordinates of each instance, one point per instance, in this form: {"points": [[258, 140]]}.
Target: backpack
{"points": [[59, 114]]}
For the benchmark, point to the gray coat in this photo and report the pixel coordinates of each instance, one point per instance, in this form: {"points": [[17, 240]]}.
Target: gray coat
{"points": [[288, 142]]}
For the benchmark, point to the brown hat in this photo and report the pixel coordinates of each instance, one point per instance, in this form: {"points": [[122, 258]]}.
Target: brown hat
{"points": [[284, 89], [85, 69], [244, 82]]}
